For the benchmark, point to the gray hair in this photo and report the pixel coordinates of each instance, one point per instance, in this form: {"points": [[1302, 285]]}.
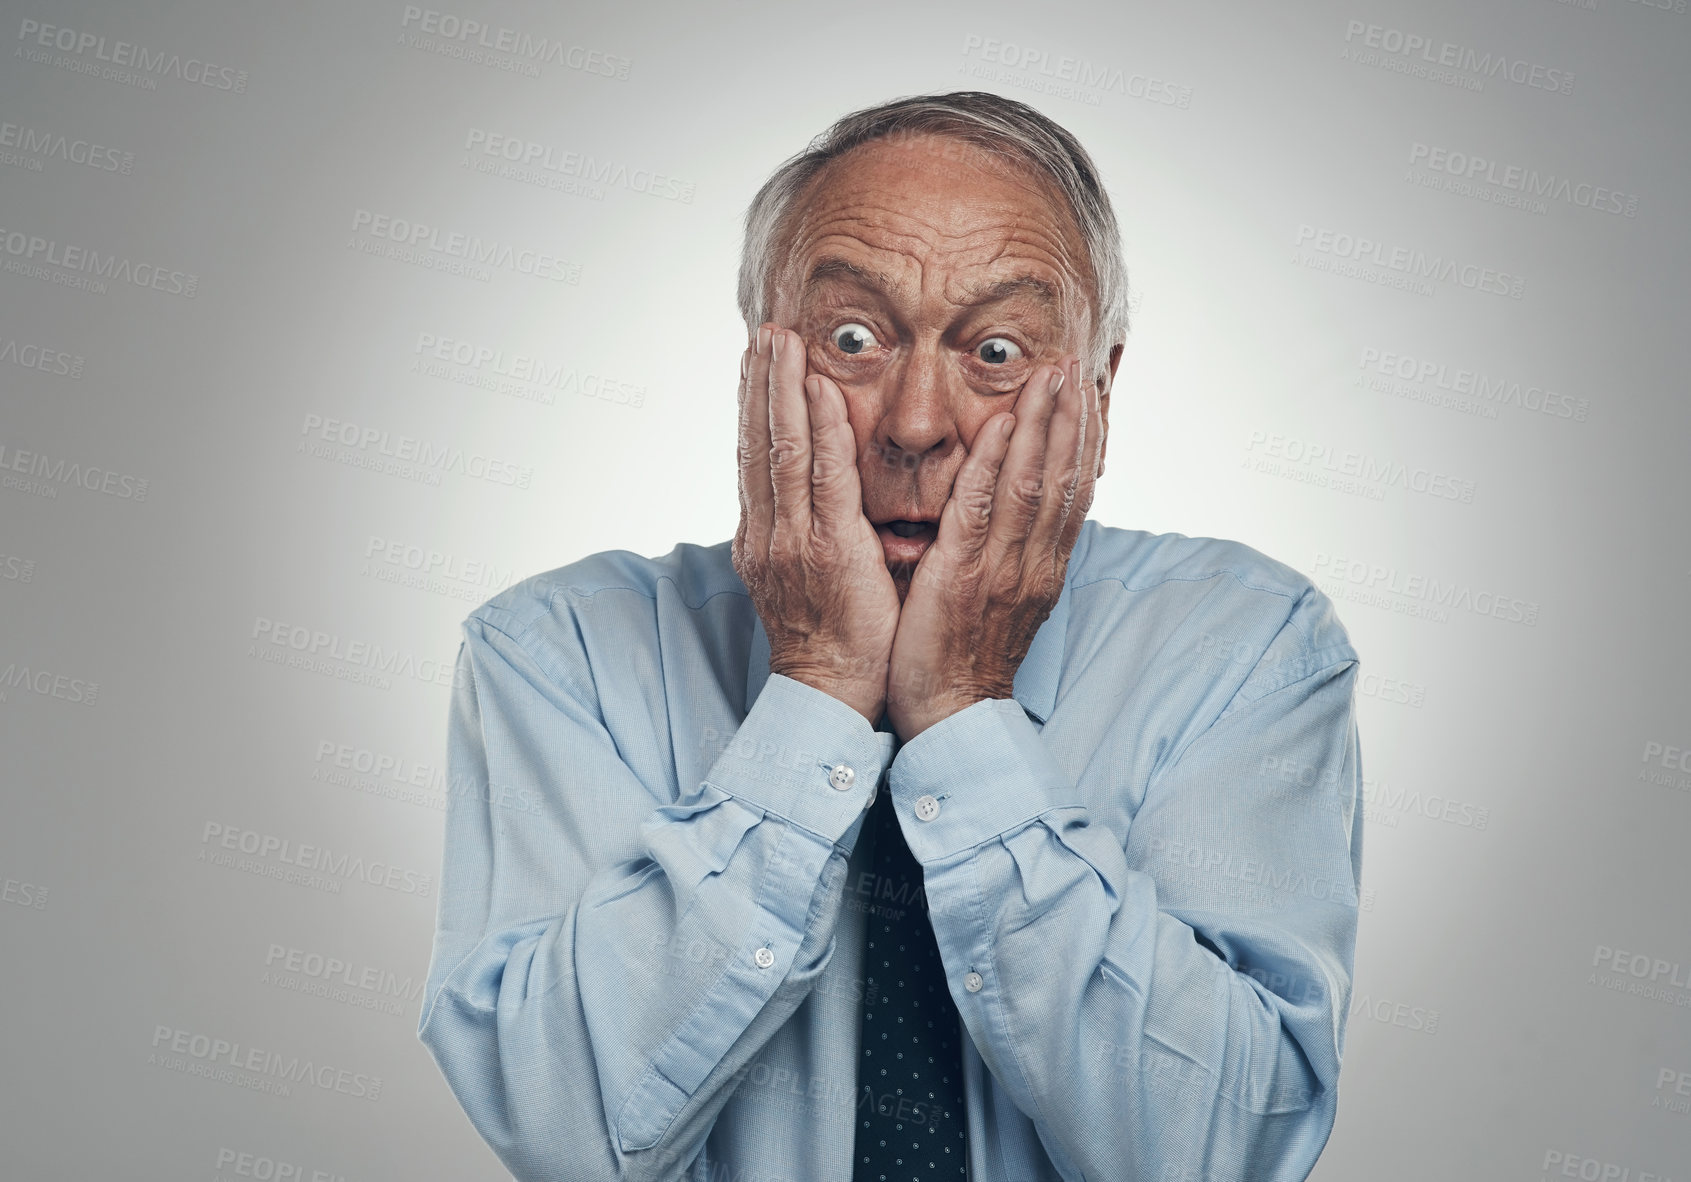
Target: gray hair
{"points": [[991, 122]]}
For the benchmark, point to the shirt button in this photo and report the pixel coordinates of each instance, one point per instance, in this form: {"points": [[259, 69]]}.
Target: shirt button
{"points": [[842, 776], [765, 958], [972, 982], [927, 808]]}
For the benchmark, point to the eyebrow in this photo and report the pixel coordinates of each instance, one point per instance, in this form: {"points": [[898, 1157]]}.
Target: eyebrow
{"points": [[991, 293], [975, 297], [838, 268]]}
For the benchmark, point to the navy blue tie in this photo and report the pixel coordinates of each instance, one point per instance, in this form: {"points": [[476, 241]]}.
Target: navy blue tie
{"points": [[911, 1120]]}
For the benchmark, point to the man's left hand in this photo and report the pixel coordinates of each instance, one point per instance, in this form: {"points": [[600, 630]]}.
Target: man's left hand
{"points": [[996, 568]]}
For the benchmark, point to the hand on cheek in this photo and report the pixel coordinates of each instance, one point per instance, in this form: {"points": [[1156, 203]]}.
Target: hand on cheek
{"points": [[997, 567], [807, 555]]}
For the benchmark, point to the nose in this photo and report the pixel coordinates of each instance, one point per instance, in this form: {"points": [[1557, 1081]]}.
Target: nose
{"points": [[918, 420]]}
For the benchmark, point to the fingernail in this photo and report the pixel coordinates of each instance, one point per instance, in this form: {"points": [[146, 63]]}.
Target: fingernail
{"points": [[1009, 426], [779, 340], [762, 340], [745, 362], [1057, 386]]}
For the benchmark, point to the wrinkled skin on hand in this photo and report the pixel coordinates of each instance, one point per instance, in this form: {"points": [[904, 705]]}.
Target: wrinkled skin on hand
{"points": [[804, 550], [983, 589]]}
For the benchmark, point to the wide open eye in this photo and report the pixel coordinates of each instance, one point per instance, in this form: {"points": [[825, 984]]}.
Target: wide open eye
{"points": [[999, 351], [853, 338]]}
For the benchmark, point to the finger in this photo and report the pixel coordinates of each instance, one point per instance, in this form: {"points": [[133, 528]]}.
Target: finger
{"points": [[836, 496], [1092, 457], [1064, 442], [757, 498], [789, 436], [967, 517], [1021, 481]]}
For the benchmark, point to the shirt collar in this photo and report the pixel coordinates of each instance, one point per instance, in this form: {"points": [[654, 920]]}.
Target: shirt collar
{"points": [[1035, 687]]}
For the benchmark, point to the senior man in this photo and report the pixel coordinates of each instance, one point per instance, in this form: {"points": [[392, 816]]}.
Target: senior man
{"points": [[927, 830]]}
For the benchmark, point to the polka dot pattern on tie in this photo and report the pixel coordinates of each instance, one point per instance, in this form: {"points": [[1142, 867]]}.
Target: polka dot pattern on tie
{"points": [[911, 1120]]}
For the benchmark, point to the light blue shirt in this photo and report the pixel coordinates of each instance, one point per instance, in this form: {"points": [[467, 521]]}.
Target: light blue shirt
{"points": [[1143, 873]]}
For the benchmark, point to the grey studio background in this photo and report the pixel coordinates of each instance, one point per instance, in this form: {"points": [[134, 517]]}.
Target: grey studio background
{"points": [[322, 323]]}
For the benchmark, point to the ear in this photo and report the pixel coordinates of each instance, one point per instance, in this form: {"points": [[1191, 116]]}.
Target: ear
{"points": [[1105, 385]]}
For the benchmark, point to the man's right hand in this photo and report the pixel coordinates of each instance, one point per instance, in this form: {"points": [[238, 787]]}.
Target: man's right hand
{"points": [[815, 569]]}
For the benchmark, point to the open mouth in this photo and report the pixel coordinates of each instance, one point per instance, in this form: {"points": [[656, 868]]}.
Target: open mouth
{"points": [[905, 540], [909, 529]]}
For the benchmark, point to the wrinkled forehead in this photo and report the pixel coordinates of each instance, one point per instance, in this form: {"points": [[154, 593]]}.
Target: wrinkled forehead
{"points": [[938, 214]]}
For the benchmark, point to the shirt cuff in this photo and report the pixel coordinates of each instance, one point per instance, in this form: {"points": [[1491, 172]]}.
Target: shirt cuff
{"points": [[784, 756], [988, 771]]}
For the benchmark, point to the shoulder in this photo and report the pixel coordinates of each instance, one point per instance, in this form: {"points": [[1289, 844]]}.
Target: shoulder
{"points": [[1233, 594], [1141, 560], [616, 589]]}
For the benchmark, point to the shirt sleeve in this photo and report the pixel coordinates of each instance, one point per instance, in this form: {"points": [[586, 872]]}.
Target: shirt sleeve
{"points": [[1172, 1006], [590, 1014]]}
